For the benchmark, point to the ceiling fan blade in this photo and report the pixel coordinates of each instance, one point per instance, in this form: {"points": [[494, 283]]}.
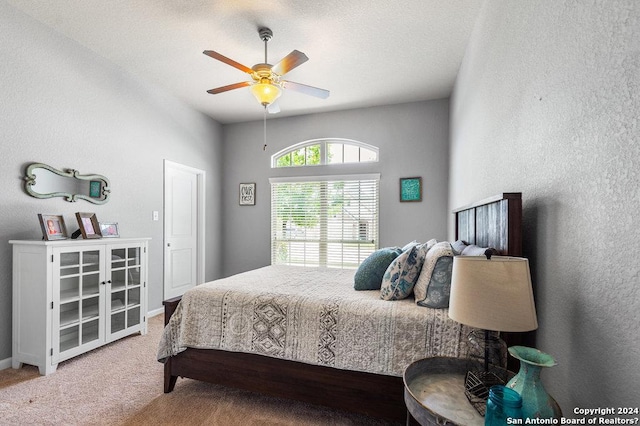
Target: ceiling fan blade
{"points": [[289, 62], [222, 58], [307, 90], [229, 87], [273, 108]]}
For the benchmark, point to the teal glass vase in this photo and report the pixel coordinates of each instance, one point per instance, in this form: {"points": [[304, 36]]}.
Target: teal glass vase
{"points": [[503, 404], [536, 402]]}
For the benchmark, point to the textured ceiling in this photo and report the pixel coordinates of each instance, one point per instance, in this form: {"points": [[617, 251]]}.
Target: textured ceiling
{"points": [[366, 52]]}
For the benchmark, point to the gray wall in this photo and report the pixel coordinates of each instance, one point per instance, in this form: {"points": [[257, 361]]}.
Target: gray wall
{"points": [[547, 103], [66, 106], [413, 141]]}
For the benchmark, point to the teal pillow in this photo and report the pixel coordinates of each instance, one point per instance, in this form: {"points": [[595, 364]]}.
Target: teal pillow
{"points": [[371, 270], [439, 288], [434, 283]]}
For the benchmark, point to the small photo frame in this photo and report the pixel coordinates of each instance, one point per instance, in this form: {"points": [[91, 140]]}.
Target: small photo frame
{"points": [[247, 194], [89, 225], [410, 189], [53, 227], [109, 229]]}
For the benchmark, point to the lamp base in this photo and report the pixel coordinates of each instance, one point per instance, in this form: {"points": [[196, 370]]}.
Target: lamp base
{"points": [[496, 347], [476, 388]]}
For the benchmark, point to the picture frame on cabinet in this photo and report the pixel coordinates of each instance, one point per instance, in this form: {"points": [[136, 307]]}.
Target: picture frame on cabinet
{"points": [[89, 226], [410, 189], [53, 227], [109, 229]]}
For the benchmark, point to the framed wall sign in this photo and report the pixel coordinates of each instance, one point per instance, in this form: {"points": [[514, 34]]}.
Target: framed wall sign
{"points": [[411, 189], [247, 194]]}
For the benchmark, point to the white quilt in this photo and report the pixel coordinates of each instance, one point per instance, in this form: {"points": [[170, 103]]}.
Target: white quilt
{"points": [[311, 315]]}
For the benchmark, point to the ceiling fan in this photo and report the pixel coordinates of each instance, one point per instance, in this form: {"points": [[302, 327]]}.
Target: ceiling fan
{"points": [[267, 79]]}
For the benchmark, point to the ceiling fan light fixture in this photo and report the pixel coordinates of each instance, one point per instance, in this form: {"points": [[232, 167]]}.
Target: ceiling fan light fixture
{"points": [[267, 84], [265, 93]]}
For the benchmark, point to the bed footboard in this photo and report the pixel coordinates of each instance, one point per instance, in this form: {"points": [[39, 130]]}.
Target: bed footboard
{"points": [[170, 306]]}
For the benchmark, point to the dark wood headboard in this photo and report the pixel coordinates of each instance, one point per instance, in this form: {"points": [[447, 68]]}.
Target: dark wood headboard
{"points": [[496, 222], [493, 222]]}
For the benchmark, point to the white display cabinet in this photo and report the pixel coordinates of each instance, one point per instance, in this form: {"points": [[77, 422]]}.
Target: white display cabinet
{"points": [[72, 296]]}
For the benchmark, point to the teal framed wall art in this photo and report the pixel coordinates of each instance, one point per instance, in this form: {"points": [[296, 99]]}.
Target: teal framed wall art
{"points": [[410, 189], [95, 189]]}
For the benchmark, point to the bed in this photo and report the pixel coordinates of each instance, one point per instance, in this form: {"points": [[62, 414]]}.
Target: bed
{"points": [[315, 342]]}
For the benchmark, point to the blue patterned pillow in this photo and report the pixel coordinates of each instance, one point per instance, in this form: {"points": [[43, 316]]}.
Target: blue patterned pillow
{"points": [[402, 273], [439, 288], [434, 284], [409, 245], [371, 270]]}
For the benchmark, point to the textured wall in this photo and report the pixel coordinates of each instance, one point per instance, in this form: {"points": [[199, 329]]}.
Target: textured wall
{"points": [[547, 103], [66, 106], [413, 141]]}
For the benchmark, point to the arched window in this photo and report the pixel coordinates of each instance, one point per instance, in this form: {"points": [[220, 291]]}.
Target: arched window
{"points": [[318, 152]]}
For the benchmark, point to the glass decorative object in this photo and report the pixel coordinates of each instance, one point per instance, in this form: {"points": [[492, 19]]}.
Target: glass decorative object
{"points": [[495, 347], [503, 404], [536, 402]]}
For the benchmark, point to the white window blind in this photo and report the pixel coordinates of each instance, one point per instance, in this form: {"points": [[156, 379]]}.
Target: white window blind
{"points": [[324, 221]]}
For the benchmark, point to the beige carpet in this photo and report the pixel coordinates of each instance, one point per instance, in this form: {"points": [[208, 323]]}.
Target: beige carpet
{"points": [[121, 384]]}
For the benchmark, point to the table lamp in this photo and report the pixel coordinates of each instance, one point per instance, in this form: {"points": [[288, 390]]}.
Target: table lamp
{"points": [[492, 293]]}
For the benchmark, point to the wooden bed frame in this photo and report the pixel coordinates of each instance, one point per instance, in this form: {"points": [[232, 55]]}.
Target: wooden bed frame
{"points": [[493, 222]]}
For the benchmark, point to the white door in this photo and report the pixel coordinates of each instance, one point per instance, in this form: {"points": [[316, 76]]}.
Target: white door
{"points": [[183, 228]]}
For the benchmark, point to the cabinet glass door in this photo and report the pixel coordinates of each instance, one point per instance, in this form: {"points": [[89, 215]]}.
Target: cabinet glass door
{"points": [[126, 288], [79, 300]]}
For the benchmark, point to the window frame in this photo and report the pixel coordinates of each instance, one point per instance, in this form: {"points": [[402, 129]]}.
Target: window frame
{"points": [[323, 142]]}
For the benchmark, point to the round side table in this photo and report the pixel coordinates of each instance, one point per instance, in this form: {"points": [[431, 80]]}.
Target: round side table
{"points": [[434, 391]]}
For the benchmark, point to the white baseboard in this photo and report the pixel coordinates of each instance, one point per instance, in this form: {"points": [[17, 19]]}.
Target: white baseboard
{"points": [[5, 363], [155, 312]]}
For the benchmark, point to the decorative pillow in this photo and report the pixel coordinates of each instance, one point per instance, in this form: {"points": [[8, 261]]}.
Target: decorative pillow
{"points": [[409, 245], [458, 247], [434, 283], [371, 270], [402, 273], [429, 244], [474, 250]]}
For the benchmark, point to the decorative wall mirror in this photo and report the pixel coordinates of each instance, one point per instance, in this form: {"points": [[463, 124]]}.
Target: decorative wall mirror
{"points": [[43, 181]]}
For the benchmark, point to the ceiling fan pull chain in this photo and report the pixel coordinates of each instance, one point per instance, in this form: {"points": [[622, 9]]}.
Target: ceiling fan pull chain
{"points": [[264, 148]]}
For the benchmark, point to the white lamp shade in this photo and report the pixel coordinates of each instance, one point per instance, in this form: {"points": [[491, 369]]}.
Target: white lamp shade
{"points": [[493, 294]]}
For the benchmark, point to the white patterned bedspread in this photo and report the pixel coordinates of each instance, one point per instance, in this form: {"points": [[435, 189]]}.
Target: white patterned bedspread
{"points": [[311, 315]]}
